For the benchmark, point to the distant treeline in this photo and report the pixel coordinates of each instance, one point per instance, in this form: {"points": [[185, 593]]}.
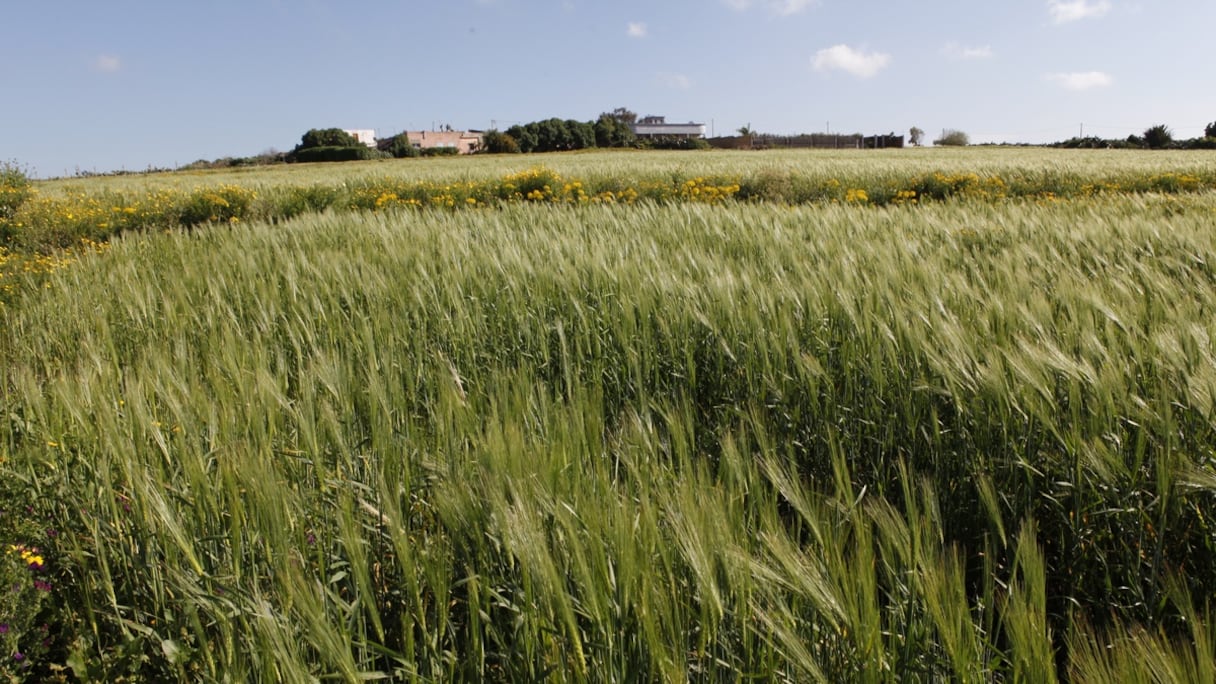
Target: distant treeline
{"points": [[1158, 137], [611, 129]]}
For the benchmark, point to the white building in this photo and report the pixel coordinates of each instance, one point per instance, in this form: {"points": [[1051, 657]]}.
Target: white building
{"points": [[657, 127], [366, 136]]}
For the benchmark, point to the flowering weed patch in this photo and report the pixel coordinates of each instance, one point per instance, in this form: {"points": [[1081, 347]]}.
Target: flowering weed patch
{"points": [[30, 612]]}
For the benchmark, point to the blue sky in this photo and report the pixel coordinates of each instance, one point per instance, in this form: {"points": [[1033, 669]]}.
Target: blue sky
{"points": [[99, 86]]}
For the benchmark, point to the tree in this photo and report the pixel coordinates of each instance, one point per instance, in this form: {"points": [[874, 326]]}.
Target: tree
{"points": [[915, 136], [399, 146], [1209, 131], [523, 136], [326, 137], [552, 135], [582, 134], [612, 132], [953, 138], [625, 116], [497, 142], [745, 134], [1158, 137]]}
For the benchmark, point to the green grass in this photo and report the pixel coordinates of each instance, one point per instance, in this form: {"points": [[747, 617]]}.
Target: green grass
{"points": [[969, 439]]}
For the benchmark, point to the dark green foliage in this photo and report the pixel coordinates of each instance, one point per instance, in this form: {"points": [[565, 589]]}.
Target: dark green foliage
{"points": [[497, 142], [266, 158], [1208, 143], [399, 146], [440, 152], [330, 145], [1209, 131], [673, 142], [524, 136], [612, 132], [326, 137], [1094, 143], [623, 115], [14, 188], [1158, 137], [581, 134], [336, 154], [553, 135]]}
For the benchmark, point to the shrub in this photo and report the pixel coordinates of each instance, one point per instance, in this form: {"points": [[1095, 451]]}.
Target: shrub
{"points": [[326, 137], [440, 152], [1158, 137], [307, 199], [27, 611], [497, 142], [399, 146], [612, 131], [1209, 131], [336, 154], [14, 188], [227, 203], [953, 138], [673, 143]]}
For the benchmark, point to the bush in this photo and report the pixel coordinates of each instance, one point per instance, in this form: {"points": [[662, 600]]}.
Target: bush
{"points": [[1158, 137], [336, 154], [307, 199], [612, 131], [226, 203], [953, 138], [1209, 131], [440, 152], [1208, 143], [399, 146], [30, 622], [14, 188], [497, 142], [327, 137], [673, 143]]}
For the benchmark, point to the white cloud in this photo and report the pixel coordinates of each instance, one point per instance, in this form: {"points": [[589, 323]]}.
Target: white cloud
{"points": [[636, 29], [1063, 12], [956, 51], [107, 64], [788, 7], [844, 58], [1081, 80], [780, 7], [673, 80]]}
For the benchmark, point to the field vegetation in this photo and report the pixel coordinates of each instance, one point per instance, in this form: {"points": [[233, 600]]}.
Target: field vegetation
{"points": [[918, 416]]}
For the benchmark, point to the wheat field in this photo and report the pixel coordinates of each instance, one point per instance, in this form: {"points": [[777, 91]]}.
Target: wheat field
{"points": [[968, 438]]}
